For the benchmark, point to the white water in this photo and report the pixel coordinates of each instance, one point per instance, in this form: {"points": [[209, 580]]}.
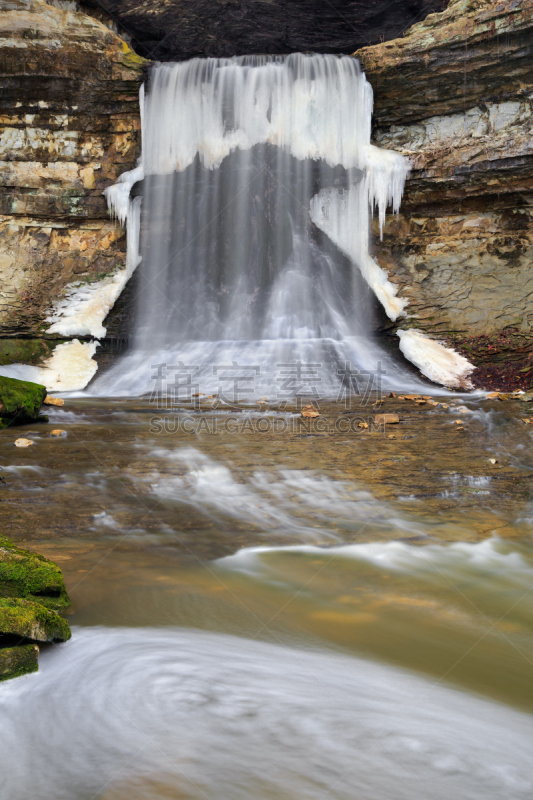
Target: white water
{"points": [[283, 501], [259, 176], [144, 713]]}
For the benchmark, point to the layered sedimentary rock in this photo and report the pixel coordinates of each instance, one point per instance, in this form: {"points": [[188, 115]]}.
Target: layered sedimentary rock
{"points": [[183, 29], [69, 126], [455, 95]]}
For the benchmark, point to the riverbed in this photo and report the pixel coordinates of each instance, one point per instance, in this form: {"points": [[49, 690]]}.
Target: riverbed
{"points": [[274, 606]]}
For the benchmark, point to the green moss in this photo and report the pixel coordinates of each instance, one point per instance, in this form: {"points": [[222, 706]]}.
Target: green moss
{"points": [[31, 620], [20, 401], [24, 351], [131, 59], [31, 576], [17, 661]]}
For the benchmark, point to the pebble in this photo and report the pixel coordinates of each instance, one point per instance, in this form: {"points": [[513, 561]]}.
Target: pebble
{"points": [[53, 401], [58, 432], [23, 442]]}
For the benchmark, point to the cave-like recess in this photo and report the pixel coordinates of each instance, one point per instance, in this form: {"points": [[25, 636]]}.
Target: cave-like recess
{"points": [[181, 29]]}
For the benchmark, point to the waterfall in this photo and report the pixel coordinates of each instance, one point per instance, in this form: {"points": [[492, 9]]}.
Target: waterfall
{"points": [[258, 179]]}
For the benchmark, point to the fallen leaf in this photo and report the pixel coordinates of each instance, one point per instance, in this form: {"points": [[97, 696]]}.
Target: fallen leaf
{"points": [[362, 424], [58, 432], [307, 412], [492, 395]]}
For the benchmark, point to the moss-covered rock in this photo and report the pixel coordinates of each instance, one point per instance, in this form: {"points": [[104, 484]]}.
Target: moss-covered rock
{"points": [[20, 402], [17, 661], [24, 351], [31, 620], [31, 576]]}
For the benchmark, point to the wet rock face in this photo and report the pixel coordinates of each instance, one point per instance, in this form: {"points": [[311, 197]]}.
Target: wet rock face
{"points": [[455, 96], [187, 28], [69, 125]]}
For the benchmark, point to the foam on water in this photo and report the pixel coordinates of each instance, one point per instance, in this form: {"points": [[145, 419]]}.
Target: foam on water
{"points": [[490, 560], [138, 713], [284, 501]]}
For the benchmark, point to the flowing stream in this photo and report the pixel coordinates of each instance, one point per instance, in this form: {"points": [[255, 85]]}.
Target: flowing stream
{"points": [[282, 613]]}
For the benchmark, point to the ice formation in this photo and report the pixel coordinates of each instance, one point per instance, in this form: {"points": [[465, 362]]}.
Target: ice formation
{"points": [[70, 368], [438, 363]]}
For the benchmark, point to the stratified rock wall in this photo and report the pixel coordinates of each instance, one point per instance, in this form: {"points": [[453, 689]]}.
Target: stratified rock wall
{"points": [[69, 125], [456, 96]]}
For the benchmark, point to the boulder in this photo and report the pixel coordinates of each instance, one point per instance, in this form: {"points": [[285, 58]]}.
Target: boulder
{"points": [[17, 661], [20, 402], [30, 576], [31, 620]]}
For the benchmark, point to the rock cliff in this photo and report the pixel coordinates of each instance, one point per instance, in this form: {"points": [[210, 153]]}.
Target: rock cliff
{"points": [[69, 125], [455, 95]]}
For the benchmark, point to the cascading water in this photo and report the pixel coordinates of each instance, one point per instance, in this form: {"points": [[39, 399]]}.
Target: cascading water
{"points": [[259, 176]]}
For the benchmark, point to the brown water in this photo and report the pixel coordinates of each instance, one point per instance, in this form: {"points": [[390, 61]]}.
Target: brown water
{"points": [[271, 608]]}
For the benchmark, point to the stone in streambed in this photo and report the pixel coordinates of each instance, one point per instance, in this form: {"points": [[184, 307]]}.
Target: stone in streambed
{"points": [[28, 575], [20, 402], [17, 661], [53, 401], [31, 620], [386, 419], [23, 442]]}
